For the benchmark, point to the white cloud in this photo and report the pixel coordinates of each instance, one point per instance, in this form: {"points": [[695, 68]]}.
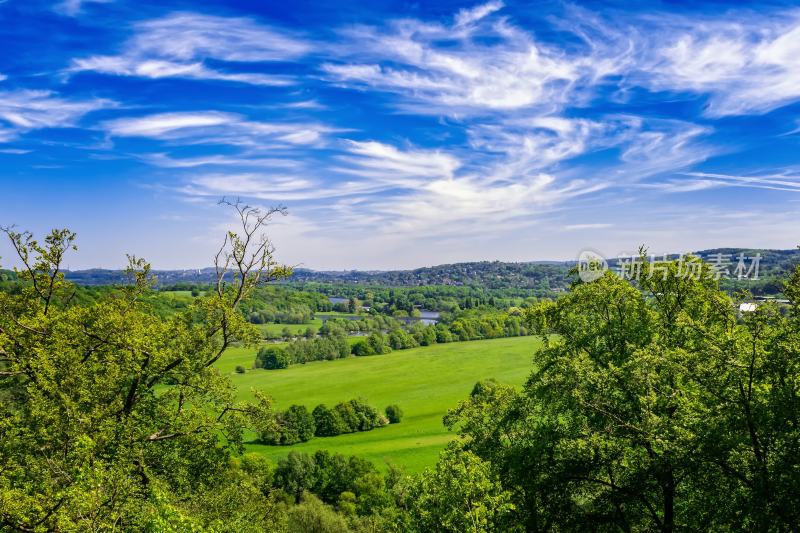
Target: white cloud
{"points": [[214, 127], [780, 181], [176, 46], [73, 8], [662, 146], [469, 15], [428, 192], [583, 227], [385, 162], [165, 125], [746, 63], [537, 142], [165, 161], [157, 68], [26, 110], [490, 65]]}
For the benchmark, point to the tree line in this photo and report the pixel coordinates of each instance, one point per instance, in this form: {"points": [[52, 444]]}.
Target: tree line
{"points": [[296, 424], [332, 344]]}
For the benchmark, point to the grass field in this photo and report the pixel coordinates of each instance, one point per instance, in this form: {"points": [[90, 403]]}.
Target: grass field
{"points": [[425, 382], [297, 329]]}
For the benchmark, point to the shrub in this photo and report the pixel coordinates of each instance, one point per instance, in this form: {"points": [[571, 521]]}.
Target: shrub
{"points": [[328, 422], [348, 417], [291, 426], [374, 344], [368, 417], [240, 369], [271, 358], [394, 414], [317, 349], [313, 515]]}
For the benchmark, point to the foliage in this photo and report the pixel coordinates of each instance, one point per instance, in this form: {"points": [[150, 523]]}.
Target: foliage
{"points": [[394, 414], [374, 344], [291, 426], [655, 407], [336, 479], [271, 358], [110, 414], [328, 422], [296, 424], [313, 516], [461, 494], [323, 348]]}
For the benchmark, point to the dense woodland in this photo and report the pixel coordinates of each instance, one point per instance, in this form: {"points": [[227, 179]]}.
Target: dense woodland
{"points": [[652, 406]]}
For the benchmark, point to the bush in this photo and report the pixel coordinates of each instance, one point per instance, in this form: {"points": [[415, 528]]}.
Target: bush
{"points": [[328, 421], [394, 414], [348, 417], [291, 426], [317, 349], [296, 424], [240, 369], [314, 516], [401, 340], [271, 358], [367, 416], [374, 344]]}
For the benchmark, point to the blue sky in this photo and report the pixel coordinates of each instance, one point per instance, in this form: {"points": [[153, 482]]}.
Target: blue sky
{"points": [[401, 134]]}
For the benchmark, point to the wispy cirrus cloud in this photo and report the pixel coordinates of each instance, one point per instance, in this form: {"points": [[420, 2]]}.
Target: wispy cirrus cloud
{"points": [[384, 162], [215, 127], [787, 181], [746, 63], [26, 110], [488, 121], [72, 8], [467, 16], [164, 160], [177, 45]]}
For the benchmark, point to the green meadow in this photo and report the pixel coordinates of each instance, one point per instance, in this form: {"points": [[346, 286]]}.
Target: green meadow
{"points": [[425, 382], [296, 329]]}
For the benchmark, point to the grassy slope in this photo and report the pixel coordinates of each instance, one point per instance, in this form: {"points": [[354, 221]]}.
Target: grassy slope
{"points": [[425, 382]]}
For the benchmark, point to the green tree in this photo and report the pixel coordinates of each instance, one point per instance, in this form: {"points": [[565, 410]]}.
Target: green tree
{"points": [[294, 425], [328, 422], [109, 413], [313, 516], [461, 494], [296, 473], [653, 407]]}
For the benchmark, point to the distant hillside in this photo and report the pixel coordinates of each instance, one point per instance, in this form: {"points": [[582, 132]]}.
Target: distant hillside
{"points": [[552, 275], [490, 274], [494, 274]]}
